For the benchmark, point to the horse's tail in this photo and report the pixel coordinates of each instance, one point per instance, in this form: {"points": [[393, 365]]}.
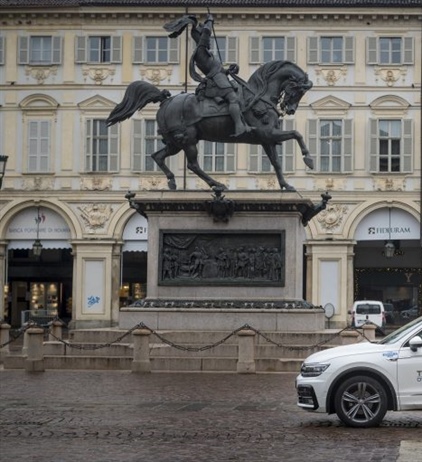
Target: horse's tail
{"points": [[138, 94]]}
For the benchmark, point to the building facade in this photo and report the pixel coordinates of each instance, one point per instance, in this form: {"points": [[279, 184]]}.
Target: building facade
{"points": [[65, 64]]}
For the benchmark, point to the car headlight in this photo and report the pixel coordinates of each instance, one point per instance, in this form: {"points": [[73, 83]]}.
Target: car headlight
{"points": [[313, 369]]}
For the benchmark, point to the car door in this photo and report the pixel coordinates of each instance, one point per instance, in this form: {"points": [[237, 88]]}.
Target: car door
{"points": [[409, 376]]}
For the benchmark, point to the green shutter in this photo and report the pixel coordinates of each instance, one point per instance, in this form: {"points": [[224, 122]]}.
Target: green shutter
{"points": [[116, 49], [137, 146], [173, 44], [290, 49], [371, 50], [231, 56], [138, 43], [408, 50], [57, 50], [288, 148], [349, 50], [80, 49], [407, 128], [373, 147], [23, 44], [88, 146], [113, 148], [253, 158], [230, 157], [313, 53], [254, 50], [347, 145], [2, 48], [313, 138]]}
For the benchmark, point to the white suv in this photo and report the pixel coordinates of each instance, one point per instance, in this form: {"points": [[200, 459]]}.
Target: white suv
{"points": [[361, 382]]}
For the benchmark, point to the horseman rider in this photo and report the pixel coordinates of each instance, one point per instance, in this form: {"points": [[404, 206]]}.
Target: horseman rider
{"points": [[215, 72]]}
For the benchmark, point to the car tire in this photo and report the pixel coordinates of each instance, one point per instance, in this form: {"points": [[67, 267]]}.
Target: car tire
{"points": [[361, 401]]}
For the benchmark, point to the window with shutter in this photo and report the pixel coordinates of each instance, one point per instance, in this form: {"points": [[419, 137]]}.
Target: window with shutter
{"points": [[39, 146], [102, 146], [40, 50], [152, 143], [138, 45], [161, 50]]}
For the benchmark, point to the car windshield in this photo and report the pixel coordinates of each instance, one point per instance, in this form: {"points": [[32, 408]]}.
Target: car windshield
{"points": [[401, 332]]}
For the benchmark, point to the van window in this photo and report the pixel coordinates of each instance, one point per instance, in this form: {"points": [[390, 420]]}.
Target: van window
{"points": [[368, 309]]}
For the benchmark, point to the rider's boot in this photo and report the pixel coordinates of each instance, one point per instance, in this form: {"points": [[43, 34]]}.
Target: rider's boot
{"points": [[240, 126]]}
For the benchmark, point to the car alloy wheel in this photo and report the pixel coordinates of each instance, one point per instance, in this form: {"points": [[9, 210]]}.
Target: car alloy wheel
{"points": [[361, 401]]}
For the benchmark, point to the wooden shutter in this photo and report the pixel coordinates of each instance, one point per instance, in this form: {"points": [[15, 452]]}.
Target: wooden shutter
{"points": [[2, 48], [253, 157], [408, 54], [313, 138], [288, 148], [290, 49], [23, 56], [371, 50], [137, 146], [231, 55], [81, 45], [56, 57], [373, 147], [347, 145], [313, 51], [254, 50], [138, 44], [230, 157], [116, 49], [349, 50], [113, 148], [407, 134], [88, 146], [173, 44]]}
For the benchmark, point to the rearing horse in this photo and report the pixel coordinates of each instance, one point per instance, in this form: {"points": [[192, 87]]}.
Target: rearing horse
{"points": [[186, 118]]}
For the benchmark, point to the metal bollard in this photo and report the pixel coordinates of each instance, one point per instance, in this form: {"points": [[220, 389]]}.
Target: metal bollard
{"points": [[246, 354], [56, 331], [141, 362], [34, 362], [369, 331], [4, 340]]}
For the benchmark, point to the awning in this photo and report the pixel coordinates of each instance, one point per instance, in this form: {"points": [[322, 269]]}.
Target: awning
{"points": [[46, 244]]}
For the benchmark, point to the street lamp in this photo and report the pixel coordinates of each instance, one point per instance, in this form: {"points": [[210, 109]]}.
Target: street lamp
{"points": [[3, 161], [37, 246]]}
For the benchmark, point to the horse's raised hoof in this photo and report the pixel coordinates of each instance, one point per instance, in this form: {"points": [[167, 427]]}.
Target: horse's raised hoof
{"points": [[218, 188], [172, 184], [289, 188], [309, 162]]}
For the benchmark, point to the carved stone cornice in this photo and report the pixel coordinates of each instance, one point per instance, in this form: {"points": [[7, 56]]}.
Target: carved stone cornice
{"points": [[332, 216], [156, 74], [390, 75], [330, 74], [40, 73], [98, 73]]}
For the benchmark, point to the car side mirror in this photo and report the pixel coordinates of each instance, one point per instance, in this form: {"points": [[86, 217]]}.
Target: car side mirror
{"points": [[415, 343]]}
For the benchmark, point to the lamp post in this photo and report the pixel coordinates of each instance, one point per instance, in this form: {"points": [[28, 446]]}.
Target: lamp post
{"points": [[3, 162], [37, 246]]}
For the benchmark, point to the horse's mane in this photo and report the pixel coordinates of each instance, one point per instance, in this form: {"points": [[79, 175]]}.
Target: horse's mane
{"points": [[258, 81]]}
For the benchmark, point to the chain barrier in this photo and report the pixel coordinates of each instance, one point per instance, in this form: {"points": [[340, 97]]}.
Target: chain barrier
{"points": [[141, 325]]}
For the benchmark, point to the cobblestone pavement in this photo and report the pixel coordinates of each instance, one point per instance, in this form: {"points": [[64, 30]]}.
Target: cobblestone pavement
{"points": [[99, 416]]}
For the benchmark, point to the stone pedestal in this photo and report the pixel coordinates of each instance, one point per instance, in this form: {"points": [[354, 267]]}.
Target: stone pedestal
{"points": [[214, 256]]}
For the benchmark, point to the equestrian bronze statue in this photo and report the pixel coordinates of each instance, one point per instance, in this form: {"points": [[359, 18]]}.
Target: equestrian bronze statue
{"points": [[224, 108]]}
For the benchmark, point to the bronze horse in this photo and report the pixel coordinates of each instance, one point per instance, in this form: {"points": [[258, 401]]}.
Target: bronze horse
{"points": [[186, 118]]}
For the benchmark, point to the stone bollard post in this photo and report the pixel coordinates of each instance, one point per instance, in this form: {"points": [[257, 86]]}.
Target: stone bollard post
{"points": [[34, 362], [246, 355], [4, 340], [56, 331], [369, 331], [141, 362], [348, 337]]}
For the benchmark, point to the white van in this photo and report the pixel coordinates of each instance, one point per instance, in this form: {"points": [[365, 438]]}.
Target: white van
{"points": [[368, 311]]}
